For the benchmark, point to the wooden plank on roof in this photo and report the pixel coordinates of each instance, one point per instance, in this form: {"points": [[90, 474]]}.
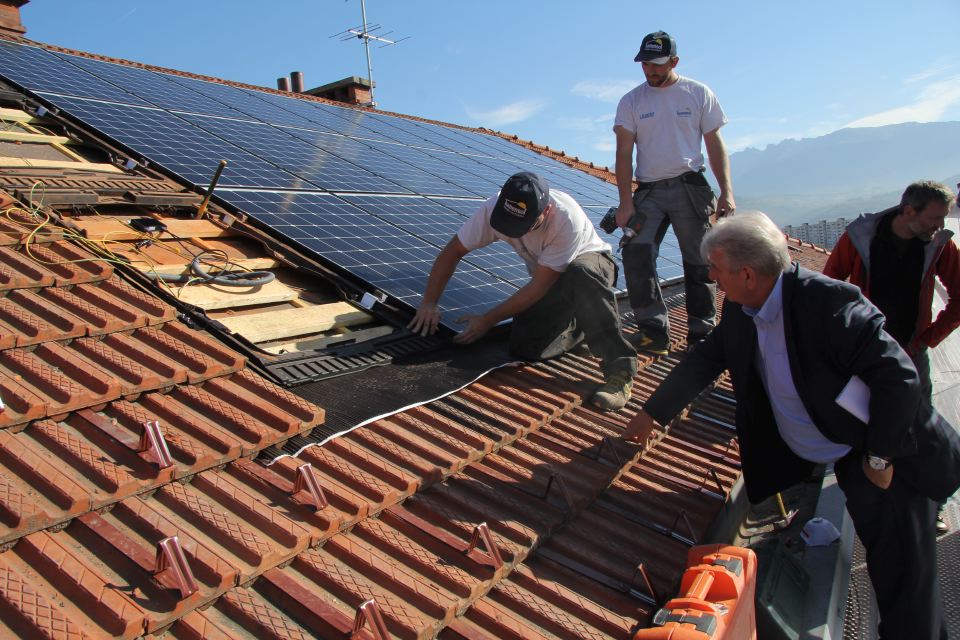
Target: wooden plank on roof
{"points": [[113, 229], [20, 163], [176, 269], [15, 115], [283, 323], [214, 296], [313, 344], [24, 136]]}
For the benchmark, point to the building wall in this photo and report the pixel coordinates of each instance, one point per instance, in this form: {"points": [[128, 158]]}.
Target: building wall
{"points": [[823, 233]]}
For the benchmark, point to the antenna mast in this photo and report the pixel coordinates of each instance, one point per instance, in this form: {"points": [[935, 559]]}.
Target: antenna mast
{"points": [[366, 32]]}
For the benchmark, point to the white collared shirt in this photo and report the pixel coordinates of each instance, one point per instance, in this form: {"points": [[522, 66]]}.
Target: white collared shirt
{"points": [[793, 422]]}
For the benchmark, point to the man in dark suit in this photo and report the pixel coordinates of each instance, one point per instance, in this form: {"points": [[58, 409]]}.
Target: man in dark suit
{"points": [[807, 355]]}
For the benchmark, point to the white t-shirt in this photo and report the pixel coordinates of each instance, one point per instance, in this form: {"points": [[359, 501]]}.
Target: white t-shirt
{"points": [[668, 124], [565, 234]]}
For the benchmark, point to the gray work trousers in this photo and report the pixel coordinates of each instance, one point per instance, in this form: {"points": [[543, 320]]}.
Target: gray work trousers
{"points": [[580, 305], [688, 208]]}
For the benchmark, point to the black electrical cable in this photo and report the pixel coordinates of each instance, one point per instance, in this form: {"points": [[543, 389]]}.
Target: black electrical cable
{"points": [[226, 279]]}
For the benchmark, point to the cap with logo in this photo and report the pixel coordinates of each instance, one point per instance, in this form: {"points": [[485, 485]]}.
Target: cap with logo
{"points": [[657, 48], [523, 198]]}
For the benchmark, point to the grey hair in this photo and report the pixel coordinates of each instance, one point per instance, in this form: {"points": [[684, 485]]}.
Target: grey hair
{"points": [[919, 194], [749, 240]]}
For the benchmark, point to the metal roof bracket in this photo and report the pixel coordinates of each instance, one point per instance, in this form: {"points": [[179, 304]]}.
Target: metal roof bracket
{"points": [[483, 531], [152, 439], [369, 613], [564, 492], [651, 595], [307, 479], [692, 540], [170, 556]]}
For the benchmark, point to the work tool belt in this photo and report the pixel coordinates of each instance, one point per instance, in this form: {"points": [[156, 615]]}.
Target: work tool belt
{"points": [[690, 177]]}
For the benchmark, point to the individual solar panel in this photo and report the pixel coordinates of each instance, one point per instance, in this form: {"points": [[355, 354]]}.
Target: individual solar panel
{"points": [[469, 183], [155, 88], [40, 70], [177, 145], [278, 147], [389, 160], [382, 254], [246, 101], [437, 224]]}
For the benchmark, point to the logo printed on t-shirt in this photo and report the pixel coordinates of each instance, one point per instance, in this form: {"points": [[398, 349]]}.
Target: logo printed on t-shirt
{"points": [[644, 116], [684, 113]]}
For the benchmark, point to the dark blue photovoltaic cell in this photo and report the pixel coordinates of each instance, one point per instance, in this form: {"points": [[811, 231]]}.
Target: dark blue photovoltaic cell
{"points": [[296, 156], [379, 253], [40, 70], [178, 146], [155, 88]]}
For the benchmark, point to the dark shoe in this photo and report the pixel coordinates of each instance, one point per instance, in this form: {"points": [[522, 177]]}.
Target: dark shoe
{"points": [[651, 343], [614, 393], [942, 526]]}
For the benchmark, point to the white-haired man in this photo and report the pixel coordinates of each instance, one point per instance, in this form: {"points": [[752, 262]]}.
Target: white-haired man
{"points": [[818, 380]]}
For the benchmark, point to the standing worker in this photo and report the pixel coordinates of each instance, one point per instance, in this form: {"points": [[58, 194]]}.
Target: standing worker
{"points": [[894, 256], [666, 118], [569, 297]]}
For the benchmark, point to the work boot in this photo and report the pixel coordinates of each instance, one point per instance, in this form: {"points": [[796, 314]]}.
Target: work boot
{"points": [[648, 342], [613, 394], [942, 526]]}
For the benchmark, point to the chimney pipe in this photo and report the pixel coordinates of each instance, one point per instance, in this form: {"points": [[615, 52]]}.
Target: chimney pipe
{"points": [[283, 83], [296, 81]]}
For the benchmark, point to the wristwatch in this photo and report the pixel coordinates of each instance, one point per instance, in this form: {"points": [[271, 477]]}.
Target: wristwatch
{"points": [[877, 463]]}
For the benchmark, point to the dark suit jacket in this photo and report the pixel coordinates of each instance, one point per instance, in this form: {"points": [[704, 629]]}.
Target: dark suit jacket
{"points": [[832, 333]]}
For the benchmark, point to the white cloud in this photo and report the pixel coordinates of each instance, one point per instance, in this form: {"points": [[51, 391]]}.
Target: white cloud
{"points": [[603, 90], [588, 123], [930, 105], [507, 114]]}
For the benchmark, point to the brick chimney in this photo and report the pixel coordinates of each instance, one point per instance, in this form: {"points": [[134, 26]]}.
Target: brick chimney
{"points": [[10, 17], [352, 90]]}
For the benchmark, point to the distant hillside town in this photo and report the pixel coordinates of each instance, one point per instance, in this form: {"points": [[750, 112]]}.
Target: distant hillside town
{"points": [[824, 233]]}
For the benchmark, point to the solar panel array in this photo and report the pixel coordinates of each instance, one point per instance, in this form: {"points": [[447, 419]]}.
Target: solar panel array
{"points": [[374, 195]]}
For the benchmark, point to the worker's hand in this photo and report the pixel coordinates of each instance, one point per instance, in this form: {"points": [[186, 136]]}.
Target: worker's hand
{"points": [[477, 327], [725, 205], [624, 213], [639, 427], [426, 320], [880, 478]]}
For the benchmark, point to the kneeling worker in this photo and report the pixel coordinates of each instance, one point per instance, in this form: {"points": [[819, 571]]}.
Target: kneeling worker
{"points": [[569, 296]]}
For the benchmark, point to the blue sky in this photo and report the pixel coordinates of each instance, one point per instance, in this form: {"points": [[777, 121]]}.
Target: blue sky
{"points": [[552, 71]]}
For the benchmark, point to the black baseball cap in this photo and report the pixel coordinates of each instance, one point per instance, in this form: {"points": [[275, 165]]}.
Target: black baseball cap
{"points": [[523, 198], [657, 47]]}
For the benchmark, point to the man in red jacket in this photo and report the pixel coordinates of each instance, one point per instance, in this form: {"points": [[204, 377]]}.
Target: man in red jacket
{"points": [[894, 256]]}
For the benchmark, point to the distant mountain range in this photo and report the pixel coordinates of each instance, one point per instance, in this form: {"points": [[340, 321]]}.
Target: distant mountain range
{"points": [[845, 172]]}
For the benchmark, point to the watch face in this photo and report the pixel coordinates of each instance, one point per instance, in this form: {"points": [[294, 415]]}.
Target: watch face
{"points": [[879, 464]]}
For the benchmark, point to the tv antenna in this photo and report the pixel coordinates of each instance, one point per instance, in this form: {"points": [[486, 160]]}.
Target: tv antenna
{"points": [[368, 32]]}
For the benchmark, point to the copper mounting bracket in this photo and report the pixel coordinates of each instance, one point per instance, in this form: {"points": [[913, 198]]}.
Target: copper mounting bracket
{"points": [[369, 613], [307, 479], [483, 531], [152, 438], [650, 596], [170, 555]]}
